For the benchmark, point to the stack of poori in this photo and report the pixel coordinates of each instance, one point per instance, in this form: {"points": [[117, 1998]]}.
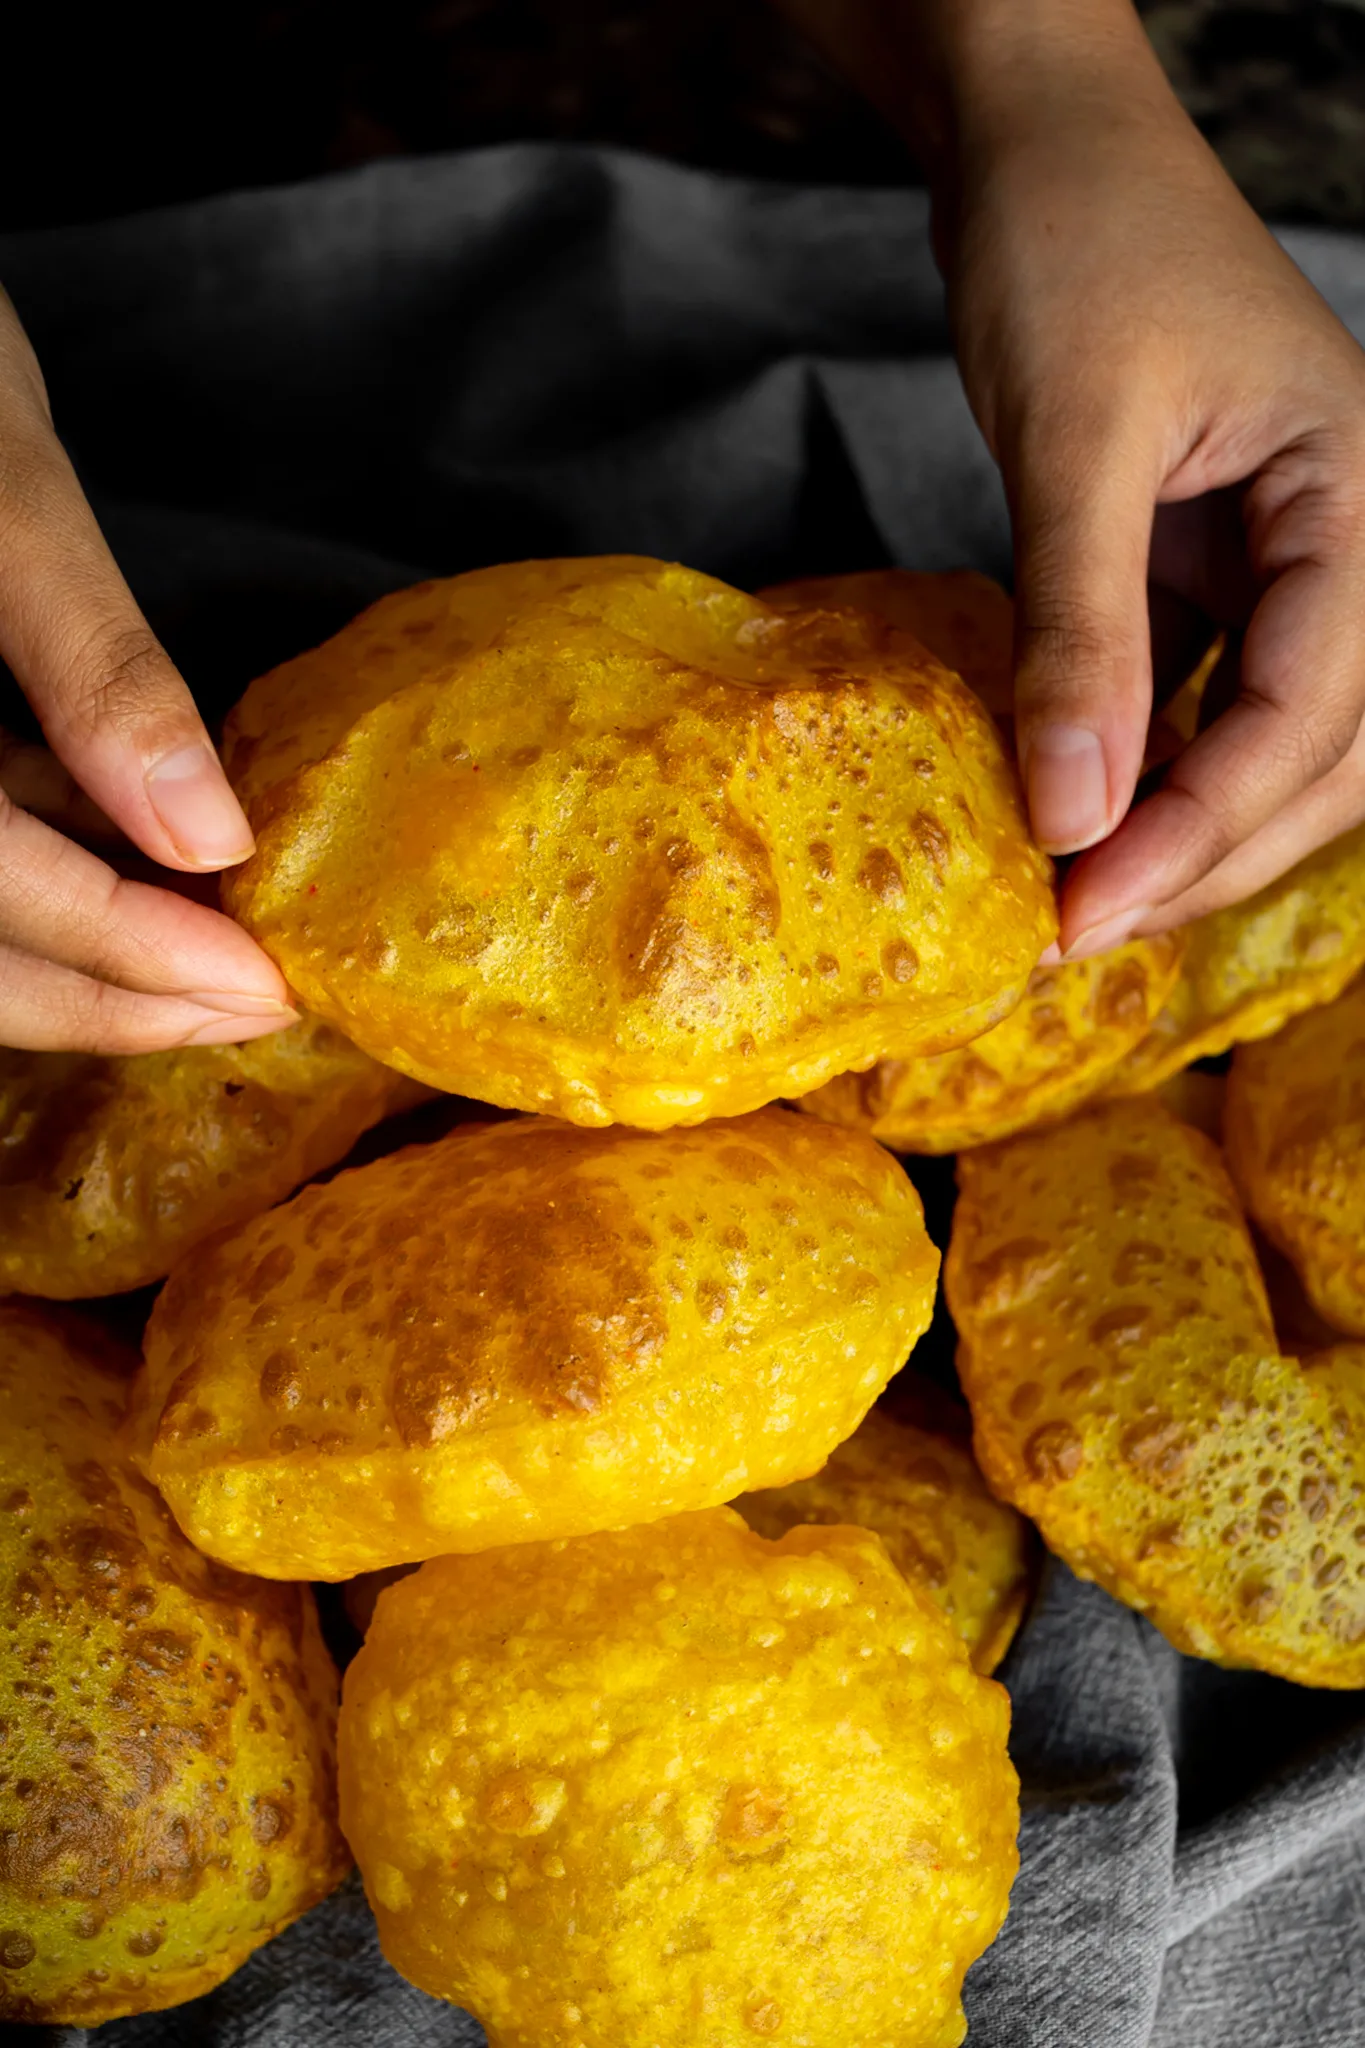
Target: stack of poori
{"points": [[616, 847]]}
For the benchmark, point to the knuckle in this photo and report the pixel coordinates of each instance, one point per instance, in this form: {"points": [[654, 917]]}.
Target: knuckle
{"points": [[1308, 742], [123, 678], [1201, 823], [1066, 639], [97, 1016]]}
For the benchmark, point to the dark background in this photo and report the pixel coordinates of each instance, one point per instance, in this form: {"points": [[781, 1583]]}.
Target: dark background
{"points": [[108, 110]]}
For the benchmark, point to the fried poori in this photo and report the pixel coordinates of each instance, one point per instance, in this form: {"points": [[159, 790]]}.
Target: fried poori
{"points": [[1250, 968], [168, 1797], [964, 618], [1294, 1126], [610, 839], [678, 1787], [1129, 1395], [922, 1493], [967, 620], [1077, 1023], [112, 1169], [526, 1331]]}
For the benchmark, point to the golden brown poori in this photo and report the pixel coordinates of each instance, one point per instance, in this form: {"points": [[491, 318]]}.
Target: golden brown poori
{"points": [[1077, 1022], [921, 1491], [609, 839], [1129, 1395], [525, 1331], [1250, 968], [111, 1169], [679, 1785], [167, 1769], [966, 619], [1294, 1126]]}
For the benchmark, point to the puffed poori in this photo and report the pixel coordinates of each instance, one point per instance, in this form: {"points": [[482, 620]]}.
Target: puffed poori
{"points": [[1294, 1127], [527, 1331], [677, 1788], [921, 1492], [609, 839], [1250, 968], [112, 1169], [1078, 1021], [966, 619], [1128, 1393], [167, 1771]]}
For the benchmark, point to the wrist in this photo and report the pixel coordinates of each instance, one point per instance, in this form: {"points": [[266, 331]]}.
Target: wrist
{"points": [[1002, 68], [961, 77]]}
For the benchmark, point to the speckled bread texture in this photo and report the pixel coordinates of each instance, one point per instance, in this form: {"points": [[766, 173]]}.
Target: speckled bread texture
{"points": [[680, 1788], [1128, 1393], [1248, 969], [922, 1493], [1294, 1126], [526, 1331], [167, 1771], [964, 618], [609, 839], [112, 1169], [1077, 1023]]}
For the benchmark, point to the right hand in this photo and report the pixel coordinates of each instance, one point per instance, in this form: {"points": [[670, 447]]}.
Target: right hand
{"points": [[90, 961]]}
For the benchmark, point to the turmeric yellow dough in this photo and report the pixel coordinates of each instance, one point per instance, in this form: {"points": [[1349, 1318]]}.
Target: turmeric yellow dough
{"points": [[923, 1494], [965, 619], [112, 1169], [609, 839], [1077, 1022], [526, 1330], [1128, 1393], [1294, 1125], [167, 1768], [1248, 969], [680, 1788]]}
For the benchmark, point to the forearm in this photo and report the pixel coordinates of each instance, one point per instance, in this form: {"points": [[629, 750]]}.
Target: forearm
{"points": [[950, 75]]}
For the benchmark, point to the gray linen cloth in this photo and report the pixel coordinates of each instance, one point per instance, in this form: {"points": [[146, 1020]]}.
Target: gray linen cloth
{"points": [[284, 403]]}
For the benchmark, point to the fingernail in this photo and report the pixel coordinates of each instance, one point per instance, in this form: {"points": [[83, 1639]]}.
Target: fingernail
{"points": [[1110, 932], [1051, 956], [234, 1030], [1068, 789], [206, 823], [231, 1002]]}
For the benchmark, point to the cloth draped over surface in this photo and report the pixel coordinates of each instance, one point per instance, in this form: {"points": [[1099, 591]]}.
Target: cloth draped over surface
{"points": [[284, 403]]}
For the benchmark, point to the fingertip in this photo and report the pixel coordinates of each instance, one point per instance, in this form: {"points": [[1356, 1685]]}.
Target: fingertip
{"points": [[1107, 934], [236, 1030], [197, 810], [1067, 780]]}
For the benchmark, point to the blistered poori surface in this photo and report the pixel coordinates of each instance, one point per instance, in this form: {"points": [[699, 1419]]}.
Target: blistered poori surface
{"points": [[111, 1169], [1128, 1393], [1294, 1125], [1077, 1022], [1250, 968], [966, 619], [609, 839], [526, 1330], [922, 1493], [167, 1771], [680, 1788]]}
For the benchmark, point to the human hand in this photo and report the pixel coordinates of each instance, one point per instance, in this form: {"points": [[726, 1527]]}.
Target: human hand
{"points": [[90, 960], [1168, 398]]}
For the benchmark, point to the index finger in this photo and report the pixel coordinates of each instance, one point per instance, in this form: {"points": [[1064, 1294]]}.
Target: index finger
{"points": [[1297, 713]]}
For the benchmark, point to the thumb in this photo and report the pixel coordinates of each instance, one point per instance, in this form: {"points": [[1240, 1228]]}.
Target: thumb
{"points": [[1082, 510], [112, 706]]}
